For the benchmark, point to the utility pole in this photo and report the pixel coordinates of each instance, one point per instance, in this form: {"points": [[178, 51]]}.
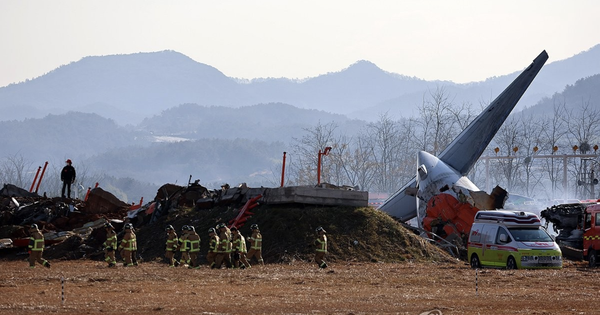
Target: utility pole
{"points": [[325, 152]]}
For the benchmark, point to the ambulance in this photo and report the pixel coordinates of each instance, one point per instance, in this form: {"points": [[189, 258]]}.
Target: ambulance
{"points": [[511, 240]]}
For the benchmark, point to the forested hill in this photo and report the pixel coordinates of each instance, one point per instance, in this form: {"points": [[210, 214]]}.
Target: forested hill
{"points": [[266, 122], [584, 93]]}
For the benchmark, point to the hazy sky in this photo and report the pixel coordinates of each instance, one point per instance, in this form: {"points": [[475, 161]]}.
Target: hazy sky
{"points": [[461, 41]]}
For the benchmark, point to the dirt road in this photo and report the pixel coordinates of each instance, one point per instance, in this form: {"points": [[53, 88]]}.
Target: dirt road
{"points": [[297, 288]]}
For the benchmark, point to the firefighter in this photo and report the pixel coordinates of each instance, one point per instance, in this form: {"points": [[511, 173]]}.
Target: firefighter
{"points": [[194, 249], [171, 246], [36, 247], [239, 249], [213, 244], [110, 245], [255, 242], [321, 250], [224, 248], [128, 245], [134, 259], [184, 260]]}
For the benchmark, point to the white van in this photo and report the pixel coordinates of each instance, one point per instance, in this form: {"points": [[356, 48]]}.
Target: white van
{"points": [[511, 240]]}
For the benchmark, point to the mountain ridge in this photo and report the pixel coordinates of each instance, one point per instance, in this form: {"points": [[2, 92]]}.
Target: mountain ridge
{"points": [[132, 87]]}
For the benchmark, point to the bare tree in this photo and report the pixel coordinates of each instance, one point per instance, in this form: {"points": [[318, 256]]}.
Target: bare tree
{"points": [[392, 157], [553, 133], [531, 136], [305, 152], [361, 164], [507, 139], [351, 163], [583, 129], [438, 121], [15, 170]]}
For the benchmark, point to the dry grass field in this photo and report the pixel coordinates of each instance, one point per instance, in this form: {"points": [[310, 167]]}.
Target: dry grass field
{"points": [[296, 288]]}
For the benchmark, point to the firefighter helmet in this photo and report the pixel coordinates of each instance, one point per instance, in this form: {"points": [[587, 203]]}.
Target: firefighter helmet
{"points": [[107, 225], [129, 226], [33, 227], [254, 226], [221, 225], [170, 228], [320, 229], [191, 228], [211, 230], [233, 228], [184, 228]]}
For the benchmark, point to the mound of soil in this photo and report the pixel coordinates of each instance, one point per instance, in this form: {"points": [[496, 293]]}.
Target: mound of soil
{"points": [[354, 234]]}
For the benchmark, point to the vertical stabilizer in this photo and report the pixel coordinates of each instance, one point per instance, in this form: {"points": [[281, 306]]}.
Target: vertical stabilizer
{"points": [[464, 151]]}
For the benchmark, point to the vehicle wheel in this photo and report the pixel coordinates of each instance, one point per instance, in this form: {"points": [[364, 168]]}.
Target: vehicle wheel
{"points": [[475, 262], [511, 263], [592, 258]]}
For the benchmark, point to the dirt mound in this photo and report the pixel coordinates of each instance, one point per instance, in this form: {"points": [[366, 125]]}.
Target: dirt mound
{"points": [[75, 230], [354, 234]]}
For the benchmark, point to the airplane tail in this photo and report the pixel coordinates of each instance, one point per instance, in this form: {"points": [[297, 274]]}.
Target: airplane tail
{"points": [[464, 151]]}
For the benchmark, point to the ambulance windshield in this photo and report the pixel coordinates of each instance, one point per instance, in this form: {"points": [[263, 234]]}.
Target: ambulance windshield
{"points": [[530, 235]]}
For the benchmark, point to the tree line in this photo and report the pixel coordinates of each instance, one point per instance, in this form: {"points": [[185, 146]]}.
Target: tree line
{"points": [[379, 157], [382, 156]]}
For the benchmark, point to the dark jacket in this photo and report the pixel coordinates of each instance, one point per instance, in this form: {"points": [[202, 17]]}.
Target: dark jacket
{"points": [[68, 174]]}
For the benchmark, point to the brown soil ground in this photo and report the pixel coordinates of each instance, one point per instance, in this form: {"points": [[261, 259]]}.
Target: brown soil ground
{"points": [[296, 287]]}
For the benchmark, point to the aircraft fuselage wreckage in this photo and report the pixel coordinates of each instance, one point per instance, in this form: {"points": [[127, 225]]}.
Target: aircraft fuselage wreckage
{"points": [[440, 196]]}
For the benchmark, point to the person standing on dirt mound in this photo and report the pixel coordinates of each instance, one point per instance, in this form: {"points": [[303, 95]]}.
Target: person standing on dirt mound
{"points": [[255, 241], [171, 246], [213, 244], [128, 245], [110, 245], [321, 244], [36, 247], [67, 176]]}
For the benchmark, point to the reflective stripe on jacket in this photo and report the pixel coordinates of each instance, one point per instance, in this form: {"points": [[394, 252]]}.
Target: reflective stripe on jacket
{"points": [[239, 243], [111, 240], [223, 245], [36, 242], [213, 244], [183, 240], [322, 244], [129, 242], [255, 241], [194, 243], [171, 242]]}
